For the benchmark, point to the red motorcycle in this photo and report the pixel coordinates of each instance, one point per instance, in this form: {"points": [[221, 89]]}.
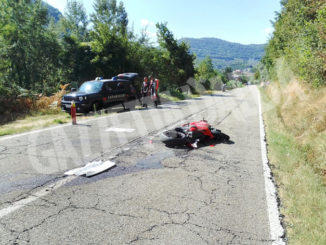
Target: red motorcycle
{"points": [[191, 134]]}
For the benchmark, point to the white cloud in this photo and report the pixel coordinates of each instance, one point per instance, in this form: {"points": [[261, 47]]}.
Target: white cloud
{"points": [[146, 22]]}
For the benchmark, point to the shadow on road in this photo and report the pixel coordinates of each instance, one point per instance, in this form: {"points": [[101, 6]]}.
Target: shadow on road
{"points": [[207, 143], [85, 125], [221, 95]]}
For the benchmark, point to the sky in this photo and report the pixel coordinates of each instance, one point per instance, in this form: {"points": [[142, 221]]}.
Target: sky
{"points": [[240, 21]]}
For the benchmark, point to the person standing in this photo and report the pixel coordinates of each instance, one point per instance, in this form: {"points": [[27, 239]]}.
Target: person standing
{"points": [[154, 90], [144, 91]]}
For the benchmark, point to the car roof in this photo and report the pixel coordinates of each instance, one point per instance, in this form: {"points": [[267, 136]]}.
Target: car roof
{"points": [[117, 80], [123, 77], [110, 80], [128, 75]]}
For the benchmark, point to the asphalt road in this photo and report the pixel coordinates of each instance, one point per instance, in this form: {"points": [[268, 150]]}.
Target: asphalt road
{"points": [[155, 195]]}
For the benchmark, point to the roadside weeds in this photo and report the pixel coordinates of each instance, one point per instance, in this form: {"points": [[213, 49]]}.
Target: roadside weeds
{"points": [[296, 138], [39, 121], [34, 121]]}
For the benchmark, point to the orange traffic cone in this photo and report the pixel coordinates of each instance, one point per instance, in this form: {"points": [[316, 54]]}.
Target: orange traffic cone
{"points": [[73, 113]]}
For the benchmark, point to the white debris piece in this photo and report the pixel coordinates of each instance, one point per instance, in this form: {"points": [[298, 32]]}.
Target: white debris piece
{"points": [[91, 168], [127, 130]]}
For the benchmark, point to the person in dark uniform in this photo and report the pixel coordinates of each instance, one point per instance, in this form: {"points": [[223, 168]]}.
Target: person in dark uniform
{"points": [[144, 91]]}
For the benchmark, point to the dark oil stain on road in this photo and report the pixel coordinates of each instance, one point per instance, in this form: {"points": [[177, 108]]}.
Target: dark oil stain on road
{"points": [[151, 162], [18, 182]]}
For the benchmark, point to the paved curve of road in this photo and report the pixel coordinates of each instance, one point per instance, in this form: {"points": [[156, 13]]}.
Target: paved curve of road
{"points": [[155, 195]]}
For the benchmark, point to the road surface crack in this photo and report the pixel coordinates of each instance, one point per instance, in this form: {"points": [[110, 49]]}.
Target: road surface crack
{"points": [[240, 235], [140, 236], [3, 149], [31, 192]]}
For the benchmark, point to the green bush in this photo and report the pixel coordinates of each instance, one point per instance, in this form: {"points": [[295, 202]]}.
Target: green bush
{"points": [[299, 38], [177, 93], [234, 84]]}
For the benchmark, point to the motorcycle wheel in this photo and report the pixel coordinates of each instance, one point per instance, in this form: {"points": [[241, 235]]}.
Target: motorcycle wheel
{"points": [[173, 138], [219, 135]]}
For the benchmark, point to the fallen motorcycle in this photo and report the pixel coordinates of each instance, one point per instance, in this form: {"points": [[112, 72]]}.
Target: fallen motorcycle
{"points": [[191, 134]]}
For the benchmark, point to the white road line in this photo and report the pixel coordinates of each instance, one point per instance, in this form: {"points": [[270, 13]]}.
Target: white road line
{"points": [[32, 132], [276, 229], [3, 138], [33, 197]]}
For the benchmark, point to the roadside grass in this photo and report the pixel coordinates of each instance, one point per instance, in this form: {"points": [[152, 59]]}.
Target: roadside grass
{"points": [[44, 119], [178, 97], [209, 92], [169, 97], [35, 120], [295, 118]]}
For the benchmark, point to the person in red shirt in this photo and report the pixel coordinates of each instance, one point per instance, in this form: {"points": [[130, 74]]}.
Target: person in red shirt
{"points": [[154, 86], [156, 89]]}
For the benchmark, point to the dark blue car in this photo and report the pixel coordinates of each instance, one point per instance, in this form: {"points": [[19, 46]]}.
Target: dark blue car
{"points": [[101, 93]]}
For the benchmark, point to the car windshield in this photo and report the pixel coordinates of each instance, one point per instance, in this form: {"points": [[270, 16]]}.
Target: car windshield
{"points": [[91, 87]]}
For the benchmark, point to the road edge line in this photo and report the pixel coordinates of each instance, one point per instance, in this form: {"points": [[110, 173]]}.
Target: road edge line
{"points": [[277, 232], [34, 196]]}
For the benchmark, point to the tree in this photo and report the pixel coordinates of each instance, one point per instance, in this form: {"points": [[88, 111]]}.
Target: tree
{"points": [[227, 73], [109, 40], [109, 13], [206, 68], [76, 59], [28, 51], [122, 19], [77, 54], [207, 76], [75, 21], [178, 63], [299, 38]]}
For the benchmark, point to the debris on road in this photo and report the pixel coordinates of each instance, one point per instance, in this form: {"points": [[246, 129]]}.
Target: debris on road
{"points": [[91, 169]]}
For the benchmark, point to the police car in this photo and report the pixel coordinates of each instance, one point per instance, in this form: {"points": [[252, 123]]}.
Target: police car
{"points": [[102, 93]]}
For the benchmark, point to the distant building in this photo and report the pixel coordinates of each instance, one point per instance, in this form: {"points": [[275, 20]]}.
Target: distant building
{"points": [[239, 75]]}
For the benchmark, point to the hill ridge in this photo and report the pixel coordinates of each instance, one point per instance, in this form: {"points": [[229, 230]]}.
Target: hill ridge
{"points": [[224, 53]]}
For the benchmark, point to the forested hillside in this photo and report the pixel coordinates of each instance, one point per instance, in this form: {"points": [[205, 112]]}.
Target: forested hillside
{"points": [[226, 54]]}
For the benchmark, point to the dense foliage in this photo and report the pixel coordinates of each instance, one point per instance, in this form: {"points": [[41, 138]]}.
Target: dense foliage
{"points": [[226, 54], [28, 49], [300, 38], [39, 54], [209, 78]]}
